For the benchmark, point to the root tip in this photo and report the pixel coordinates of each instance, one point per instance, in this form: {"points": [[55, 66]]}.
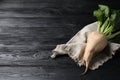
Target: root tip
{"points": [[84, 72], [86, 69]]}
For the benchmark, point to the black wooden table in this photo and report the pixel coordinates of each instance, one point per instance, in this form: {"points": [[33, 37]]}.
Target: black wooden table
{"points": [[30, 29]]}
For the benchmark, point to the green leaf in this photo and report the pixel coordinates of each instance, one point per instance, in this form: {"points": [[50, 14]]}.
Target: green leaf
{"points": [[105, 9], [98, 14], [108, 21]]}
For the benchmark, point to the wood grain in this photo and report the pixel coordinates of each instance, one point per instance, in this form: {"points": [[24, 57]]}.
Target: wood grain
{"points": [[30, 29]]}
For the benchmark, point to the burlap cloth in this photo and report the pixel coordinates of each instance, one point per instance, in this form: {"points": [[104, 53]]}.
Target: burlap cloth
{"points": [[75, 46]]}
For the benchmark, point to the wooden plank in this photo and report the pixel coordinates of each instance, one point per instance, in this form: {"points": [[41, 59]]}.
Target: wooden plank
{"points": [[47, 72], [30, 22], [66, 8], [27, 40], [36, 73], [34, 32], [45, 21], [25, 73], [46, 12], [57, 3], [24, 1]]}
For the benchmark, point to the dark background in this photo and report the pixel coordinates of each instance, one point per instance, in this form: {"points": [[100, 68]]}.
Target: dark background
{"points": [[30, 29]]}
